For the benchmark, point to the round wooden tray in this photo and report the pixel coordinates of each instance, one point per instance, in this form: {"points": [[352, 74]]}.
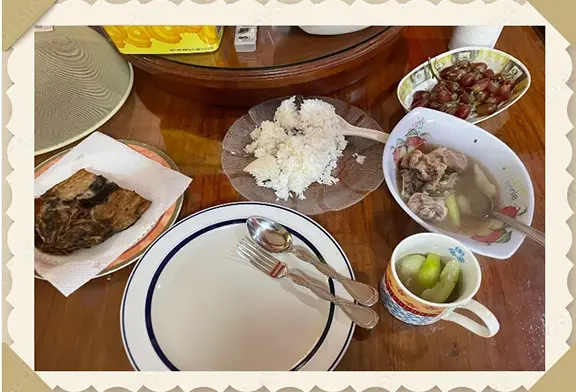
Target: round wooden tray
{"points": [[297, 64]]}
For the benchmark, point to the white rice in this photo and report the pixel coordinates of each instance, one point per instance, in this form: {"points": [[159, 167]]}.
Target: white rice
{"points": [[297, 149]]}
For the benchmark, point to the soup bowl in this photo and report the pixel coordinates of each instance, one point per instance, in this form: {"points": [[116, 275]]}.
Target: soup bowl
{"points": [[516, 194]]}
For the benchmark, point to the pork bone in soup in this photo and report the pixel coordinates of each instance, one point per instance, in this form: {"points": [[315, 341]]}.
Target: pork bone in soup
{"points": [[443, 187]]}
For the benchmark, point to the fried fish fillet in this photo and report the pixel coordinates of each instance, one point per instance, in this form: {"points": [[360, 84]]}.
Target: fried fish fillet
{"points": [[83, 211]]}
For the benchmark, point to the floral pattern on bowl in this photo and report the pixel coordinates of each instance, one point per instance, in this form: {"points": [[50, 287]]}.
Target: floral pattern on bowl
{"points": [[501, 235], [413, 139], [458, 253]]}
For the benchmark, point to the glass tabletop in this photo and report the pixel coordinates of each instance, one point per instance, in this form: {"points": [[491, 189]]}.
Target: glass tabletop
{"points": [[277, 46]]}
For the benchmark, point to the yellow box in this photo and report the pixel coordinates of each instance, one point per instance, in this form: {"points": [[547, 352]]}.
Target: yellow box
{"points": [[165, 39]]}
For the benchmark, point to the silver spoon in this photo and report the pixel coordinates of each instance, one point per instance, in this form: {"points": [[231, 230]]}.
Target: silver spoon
{"points": [[484, 206], [274, 238]]}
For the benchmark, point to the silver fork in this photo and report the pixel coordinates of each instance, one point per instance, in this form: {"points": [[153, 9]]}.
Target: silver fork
{"points": [[362, 316]]}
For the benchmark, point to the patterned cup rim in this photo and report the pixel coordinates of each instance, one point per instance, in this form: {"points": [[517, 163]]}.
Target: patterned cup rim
{"points": [[461, 301]]}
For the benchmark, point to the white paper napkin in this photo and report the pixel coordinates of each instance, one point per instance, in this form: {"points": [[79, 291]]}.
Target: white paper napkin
{"points": [[100, 154]]}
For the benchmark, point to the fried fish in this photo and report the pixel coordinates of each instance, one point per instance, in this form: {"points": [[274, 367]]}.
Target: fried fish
{"points": [[83, 211]]}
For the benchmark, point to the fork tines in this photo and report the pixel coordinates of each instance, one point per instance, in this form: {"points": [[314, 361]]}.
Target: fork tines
{"points": [[259, 259]]}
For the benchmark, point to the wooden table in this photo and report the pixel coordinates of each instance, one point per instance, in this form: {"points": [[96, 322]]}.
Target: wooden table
{"points": [[81, 332]]}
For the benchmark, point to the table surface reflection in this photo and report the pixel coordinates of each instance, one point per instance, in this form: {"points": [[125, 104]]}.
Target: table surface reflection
{"points": [[278, 46]]}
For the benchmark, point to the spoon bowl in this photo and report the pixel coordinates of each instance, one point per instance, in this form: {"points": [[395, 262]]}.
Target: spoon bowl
{"points": [[482, 204], [270, 235]]}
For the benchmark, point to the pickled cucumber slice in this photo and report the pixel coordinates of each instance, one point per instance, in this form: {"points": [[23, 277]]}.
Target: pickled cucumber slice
{"points": [[448, 280], [408, 271]]}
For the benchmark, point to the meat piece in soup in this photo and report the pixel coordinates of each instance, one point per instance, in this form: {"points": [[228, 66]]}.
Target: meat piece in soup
{"points": [[441, 187], [453, 160], [428, 208], [410, 183], [429, 169]]}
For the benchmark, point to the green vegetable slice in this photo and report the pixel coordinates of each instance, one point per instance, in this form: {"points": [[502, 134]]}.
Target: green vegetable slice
{"points": [[408, 271], [448, 280], [453, 209], [429, 272]]}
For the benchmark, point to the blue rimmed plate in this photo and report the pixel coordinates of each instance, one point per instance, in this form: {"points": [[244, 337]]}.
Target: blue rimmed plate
{"points": [[192, 304]]}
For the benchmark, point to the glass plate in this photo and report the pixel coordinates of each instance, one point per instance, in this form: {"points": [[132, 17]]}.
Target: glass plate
{"points": [[356, 180]]}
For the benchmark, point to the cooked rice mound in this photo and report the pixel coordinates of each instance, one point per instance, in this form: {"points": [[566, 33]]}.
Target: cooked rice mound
{"points": [[297, 149]]}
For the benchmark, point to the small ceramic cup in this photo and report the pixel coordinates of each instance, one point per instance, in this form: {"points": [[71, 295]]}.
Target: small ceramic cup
{"points": [[409, 308]]}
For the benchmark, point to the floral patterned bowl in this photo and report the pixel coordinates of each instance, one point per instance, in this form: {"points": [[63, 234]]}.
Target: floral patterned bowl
{"points": [[421, 78], [513, 181]]}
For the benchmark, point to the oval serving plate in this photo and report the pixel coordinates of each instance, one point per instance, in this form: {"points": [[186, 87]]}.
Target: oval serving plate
{"points": [[421, 78], [192, 304], [165, 222]]}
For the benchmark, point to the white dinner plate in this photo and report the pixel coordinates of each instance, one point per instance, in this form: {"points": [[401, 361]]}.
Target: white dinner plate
{"points": [[193, 304]]}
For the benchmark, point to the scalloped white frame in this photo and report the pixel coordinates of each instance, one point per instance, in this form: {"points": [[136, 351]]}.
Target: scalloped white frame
{"points": [[316, 12]]}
